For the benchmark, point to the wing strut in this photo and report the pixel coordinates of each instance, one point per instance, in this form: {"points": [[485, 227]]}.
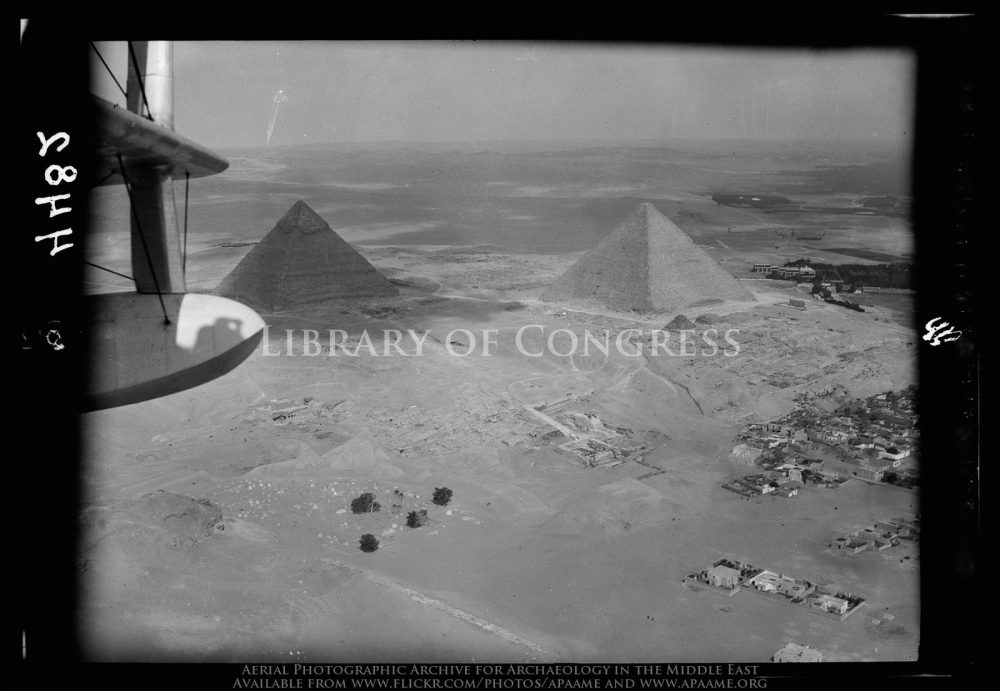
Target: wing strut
{"points": [[156, 254], [137, 224]]}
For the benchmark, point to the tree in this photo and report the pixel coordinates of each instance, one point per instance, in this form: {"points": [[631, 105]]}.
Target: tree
{"points": [[415, 519], [442, 495], [369, 543], [365, 504]]}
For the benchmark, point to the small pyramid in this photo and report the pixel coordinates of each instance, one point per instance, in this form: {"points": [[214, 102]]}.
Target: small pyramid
{"points": [[302, 260], [647, 264], [679, 323]]}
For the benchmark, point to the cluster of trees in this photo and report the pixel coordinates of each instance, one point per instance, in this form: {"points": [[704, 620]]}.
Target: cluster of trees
{"points": [[415, 519], [366, 503], [893, 275], [442, 495], [818, 289], [846, 303]]}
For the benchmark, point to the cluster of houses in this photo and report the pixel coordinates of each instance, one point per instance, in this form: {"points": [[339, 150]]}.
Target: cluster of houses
{"points": [[879, 537], [872, 438], [734, 576], [885, 436], [759, 484], [780, 449]]}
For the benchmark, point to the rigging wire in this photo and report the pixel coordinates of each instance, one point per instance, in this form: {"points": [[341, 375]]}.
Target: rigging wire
{"points": [[142, 236], [110, 271], [117, 83], [101, 181]]}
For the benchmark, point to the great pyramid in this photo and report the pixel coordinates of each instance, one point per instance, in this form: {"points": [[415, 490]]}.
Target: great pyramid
{"points": [[647, 264], [302, 260]]}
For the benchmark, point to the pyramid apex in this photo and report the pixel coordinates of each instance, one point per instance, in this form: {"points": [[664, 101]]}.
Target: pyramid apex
{"points": [[649, 208], [302, 260], [647, 211], [301, 217]]}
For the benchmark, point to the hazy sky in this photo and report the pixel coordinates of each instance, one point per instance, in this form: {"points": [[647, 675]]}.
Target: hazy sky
{"points": [[464, 91]]}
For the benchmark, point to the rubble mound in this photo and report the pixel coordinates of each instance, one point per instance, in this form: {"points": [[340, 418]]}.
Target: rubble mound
{"points": [[302, 261], [359, 454], [647, 264], [177, 513]]}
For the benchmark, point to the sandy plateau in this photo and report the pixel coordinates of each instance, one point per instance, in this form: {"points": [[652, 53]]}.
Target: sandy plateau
{"points": [[218, 522]]}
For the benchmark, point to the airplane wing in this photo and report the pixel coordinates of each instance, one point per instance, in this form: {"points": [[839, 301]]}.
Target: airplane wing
{"points": [[160, 339], [144, 144]]}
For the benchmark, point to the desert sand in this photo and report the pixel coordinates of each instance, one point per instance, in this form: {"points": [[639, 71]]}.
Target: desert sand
{"points": [[218, 522]]}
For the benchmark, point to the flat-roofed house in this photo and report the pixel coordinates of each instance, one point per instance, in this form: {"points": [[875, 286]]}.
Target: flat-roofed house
{"points": [[723, 576], [829, 603], [873, 474], [794, 589], [766, 582], [793, 652]]}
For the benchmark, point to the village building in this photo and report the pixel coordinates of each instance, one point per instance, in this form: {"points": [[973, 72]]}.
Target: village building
{"points": [[884, 463], [898, 454], [829, 603], [793, 652], [869, 473], [722, 576], [766, 582], [851, 544]]}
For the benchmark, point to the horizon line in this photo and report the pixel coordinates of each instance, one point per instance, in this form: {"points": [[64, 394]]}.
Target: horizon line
{"points": [[577, 141]]}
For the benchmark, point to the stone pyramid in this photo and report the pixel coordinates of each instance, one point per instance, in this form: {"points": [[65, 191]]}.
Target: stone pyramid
{"points": [[647, 264], [302, 260]]}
